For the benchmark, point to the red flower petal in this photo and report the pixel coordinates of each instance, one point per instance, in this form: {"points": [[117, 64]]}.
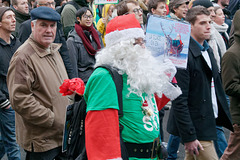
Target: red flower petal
{"points": [[70, 86]]}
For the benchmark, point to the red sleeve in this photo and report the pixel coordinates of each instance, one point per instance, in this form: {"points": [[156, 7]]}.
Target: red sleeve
{"points": [[161, 102], [102, 135]]}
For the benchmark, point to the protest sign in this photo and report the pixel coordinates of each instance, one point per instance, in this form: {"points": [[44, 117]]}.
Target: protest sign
{"points": [[168, 38]]}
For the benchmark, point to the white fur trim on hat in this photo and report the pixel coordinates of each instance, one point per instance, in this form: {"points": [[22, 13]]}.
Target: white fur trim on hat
{"points": [[126, 34]]}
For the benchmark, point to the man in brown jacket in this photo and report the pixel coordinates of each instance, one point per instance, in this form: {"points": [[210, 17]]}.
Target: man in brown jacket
{"points": [[231, 82], [36, 71]]}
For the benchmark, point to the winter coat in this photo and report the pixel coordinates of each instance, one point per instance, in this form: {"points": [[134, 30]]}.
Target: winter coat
{"points": [[233, 6], [25, 31], [191, 116], [83, 63], [101, 27], [6, 53], [34, 77], [231, 72]]}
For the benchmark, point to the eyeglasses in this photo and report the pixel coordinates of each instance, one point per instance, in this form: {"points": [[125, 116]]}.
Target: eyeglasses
{"points": [[137, 10], [47, 4], [87, 16]]}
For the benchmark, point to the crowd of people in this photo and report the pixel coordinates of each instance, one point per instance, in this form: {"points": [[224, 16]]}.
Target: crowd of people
{"points": [[44, 42]]}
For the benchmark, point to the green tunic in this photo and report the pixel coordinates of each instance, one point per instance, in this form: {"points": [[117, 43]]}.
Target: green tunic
{"points": [[100, 94]]}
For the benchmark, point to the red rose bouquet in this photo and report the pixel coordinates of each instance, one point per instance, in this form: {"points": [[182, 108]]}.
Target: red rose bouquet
{"points": [[70, 86]]}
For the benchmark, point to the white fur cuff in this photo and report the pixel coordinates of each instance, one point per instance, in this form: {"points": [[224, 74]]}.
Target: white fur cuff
{"points": [[172, 92]]}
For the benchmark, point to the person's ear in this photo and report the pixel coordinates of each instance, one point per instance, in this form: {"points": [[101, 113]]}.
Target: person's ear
{"points": [[78, 19], [32, 26], [15, 7], [174, 8], [153, 10]]}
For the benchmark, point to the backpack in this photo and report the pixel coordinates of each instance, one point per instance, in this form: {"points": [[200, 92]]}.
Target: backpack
{"points": [[74, 134]]}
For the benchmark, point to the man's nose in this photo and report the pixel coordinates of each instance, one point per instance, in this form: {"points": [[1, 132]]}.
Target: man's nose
{"points": [[13, 19], [49, 29], [209, 25]]}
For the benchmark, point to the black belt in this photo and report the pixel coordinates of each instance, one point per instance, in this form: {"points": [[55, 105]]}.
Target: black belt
{"points": [[143, 150]]}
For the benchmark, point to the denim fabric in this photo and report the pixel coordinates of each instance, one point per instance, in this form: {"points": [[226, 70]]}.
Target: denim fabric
{"points": [[228, 100], [7, 129], [172, 148], [2, 152], [221, 142]]}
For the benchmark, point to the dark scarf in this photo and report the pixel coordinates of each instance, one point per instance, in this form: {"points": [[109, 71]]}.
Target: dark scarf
{"points": [[86, 42]]}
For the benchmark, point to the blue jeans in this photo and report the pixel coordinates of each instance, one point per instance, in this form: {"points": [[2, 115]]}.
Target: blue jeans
{"points": [[2, 153], [221, 142], [228, 100], [172, 148], [7, 128]]}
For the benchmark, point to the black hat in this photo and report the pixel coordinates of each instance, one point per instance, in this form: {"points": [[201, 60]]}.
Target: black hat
{"points": [[204, 3], [45, 13], [3, 10]]}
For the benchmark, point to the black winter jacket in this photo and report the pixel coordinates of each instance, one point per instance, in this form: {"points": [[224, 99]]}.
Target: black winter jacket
{"points": [[191, 116], [6, 53]]}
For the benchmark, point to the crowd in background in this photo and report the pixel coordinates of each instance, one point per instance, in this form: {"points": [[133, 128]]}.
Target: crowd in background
{"points": [[81, 33]]}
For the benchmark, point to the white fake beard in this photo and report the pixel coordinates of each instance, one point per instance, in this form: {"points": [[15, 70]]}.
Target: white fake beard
{"points": [[145, 73]]}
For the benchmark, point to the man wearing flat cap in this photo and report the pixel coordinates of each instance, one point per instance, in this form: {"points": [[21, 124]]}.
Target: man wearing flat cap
{"points": [[178, 9], [35, 73], [25, 31]]}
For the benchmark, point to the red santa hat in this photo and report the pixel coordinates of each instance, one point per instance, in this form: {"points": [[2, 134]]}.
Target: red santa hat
{"points": [[123, 28]]}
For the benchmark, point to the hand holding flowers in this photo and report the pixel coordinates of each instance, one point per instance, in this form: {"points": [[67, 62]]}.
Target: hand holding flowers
{"points": [[70, 86]]}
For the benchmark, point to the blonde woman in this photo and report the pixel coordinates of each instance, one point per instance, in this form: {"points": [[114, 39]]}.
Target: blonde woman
{"points": [[107, 16]]}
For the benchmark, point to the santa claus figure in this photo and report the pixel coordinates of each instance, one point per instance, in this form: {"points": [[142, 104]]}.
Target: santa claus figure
{"points": [[143, 77]]}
